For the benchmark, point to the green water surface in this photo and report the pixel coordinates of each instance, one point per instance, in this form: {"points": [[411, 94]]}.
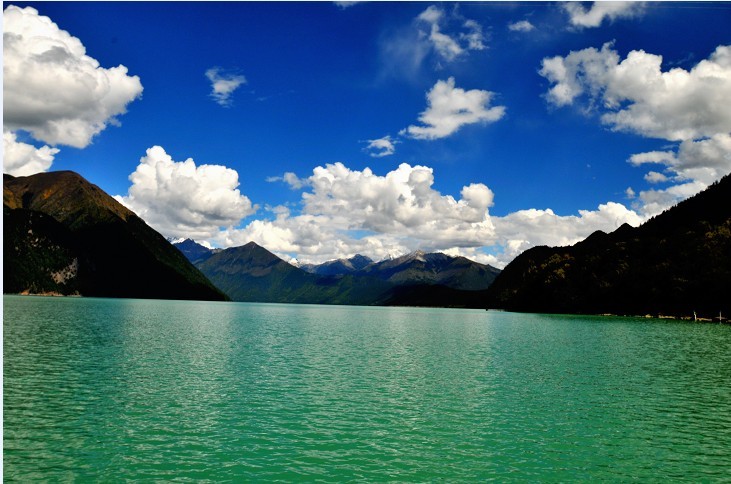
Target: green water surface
{"points": [[111, 390]]}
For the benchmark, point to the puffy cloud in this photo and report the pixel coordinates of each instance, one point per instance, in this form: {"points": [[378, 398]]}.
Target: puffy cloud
{"points": [[695, 166], [705, 160], [402, 202], [180, 199], [637, 96], [223, 85], [523, 229], [521, 26], [51, 88], [22, 159], [654, 202], [449, 108], [581, 17], [346, 212], [381, 147], [655, 177]]}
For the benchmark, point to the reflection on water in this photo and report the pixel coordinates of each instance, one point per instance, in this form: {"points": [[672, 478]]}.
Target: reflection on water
{"points": [[129, 389]]}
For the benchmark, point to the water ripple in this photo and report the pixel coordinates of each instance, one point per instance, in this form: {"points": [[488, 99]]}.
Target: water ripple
{"points": [[207, 392]]}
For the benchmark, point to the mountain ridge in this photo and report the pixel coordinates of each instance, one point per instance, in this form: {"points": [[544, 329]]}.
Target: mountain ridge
{"points": [[678, 263], [65, 235], [252, 273]]}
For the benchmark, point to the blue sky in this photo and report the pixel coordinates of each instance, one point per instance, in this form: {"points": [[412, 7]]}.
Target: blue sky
{"points": [[501, 125]]}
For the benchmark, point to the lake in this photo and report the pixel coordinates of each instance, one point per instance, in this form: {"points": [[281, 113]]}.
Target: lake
{"points": [[115, 389]]}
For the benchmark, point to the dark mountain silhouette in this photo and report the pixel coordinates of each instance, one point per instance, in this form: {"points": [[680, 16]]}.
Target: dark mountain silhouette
{"points": [[65, 235], [676, 264]]}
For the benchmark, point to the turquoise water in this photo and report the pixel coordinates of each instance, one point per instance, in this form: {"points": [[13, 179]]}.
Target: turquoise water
{"points": [[101, 389]]}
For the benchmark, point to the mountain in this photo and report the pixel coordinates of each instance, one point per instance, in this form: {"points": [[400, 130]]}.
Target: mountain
{"points": [[420, 268], [65, 235], [194, 251], [675, 264], [252, 273], [339, 266]]}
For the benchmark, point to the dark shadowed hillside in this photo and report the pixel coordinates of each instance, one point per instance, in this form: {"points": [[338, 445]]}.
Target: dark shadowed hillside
{"points": [[65, 235], [674, 264]]}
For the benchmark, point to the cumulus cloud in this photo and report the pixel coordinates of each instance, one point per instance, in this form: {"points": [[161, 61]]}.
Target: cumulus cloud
{"points": [[345, 212], [582, 17], [523, 229], [223, 85], [521, 26], [51, 88], [449, 108], [381, 147], [635, 95], [695, 166], [23, 159], [655, 177], [182, 199]]}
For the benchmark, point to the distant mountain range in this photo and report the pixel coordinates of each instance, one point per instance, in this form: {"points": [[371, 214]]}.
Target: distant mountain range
{"points": [[63, 235], [252, 273], [676, 264]]}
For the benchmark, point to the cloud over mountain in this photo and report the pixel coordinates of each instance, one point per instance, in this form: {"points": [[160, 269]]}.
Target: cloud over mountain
{"points": [[23, 159]]}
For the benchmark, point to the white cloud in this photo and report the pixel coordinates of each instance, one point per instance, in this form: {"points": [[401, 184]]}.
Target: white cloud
{"points": [[634, 95], [654, 202], [695, 166], [291, 179], [637, 96], [434, 34], [180, 199], [474, 37], [346, 4], [223, 85], [381, 147], [51, 88], [521, 26], [581, 17], [655, 177], [22, 159], [449, 108], [448, 46], [346, 212], [523, 229]]}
